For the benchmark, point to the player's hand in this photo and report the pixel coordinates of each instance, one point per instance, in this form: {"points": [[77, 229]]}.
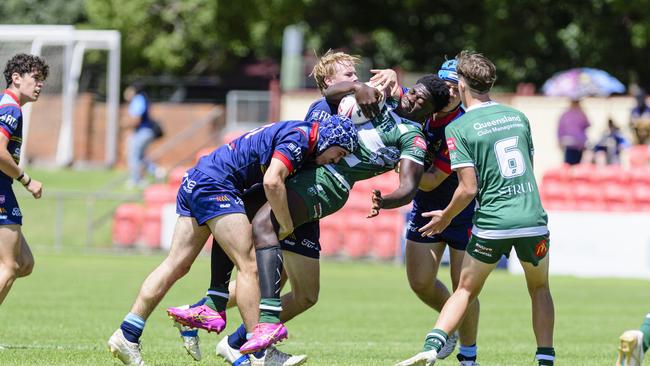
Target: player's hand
{"points": [[285, 230], [376, 203], [438, 223], [368, 100], [35, 188], [386, 80]]}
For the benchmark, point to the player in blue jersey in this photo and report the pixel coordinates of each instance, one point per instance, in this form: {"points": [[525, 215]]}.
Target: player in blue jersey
{"points": [[24, 75], [423, 254], [210, 202]]}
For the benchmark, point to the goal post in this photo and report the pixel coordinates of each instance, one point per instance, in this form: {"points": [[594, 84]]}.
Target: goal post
{"points": [[67, 47]]}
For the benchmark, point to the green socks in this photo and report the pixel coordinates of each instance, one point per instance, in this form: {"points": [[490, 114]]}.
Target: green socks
{"points": [[270, 309], [436, 339], [217, 298], [645, 329], [545, 356]]}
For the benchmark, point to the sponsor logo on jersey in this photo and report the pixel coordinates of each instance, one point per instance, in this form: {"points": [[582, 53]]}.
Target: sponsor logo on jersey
{"points": [[451, 143], [318, 211], [387, 156], [419, 142], [3, 217], [541, 248], [16, 212], [2, 199], [296, 151], [239, 201], [9, 120], [3, 211], [315, 190], [224, 205]]}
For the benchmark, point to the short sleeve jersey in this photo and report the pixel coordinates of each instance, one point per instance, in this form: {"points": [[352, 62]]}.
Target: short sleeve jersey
{"points": [[244, 160], [496, 140], [383, 142], [139, 108], [11, 125]]}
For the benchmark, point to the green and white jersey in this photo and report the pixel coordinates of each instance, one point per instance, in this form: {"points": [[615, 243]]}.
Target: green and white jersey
{"points": [[383, 142], [496, 140]]}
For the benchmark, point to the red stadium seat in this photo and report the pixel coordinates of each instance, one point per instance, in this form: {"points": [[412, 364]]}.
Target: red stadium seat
{"points": [[612, 174], [151, 226], [641, 197], [356, 243], [358, 202], [175, 176], [556, 191], [126, 224], [330, 242], [582, 173], [384, 244], [640, 176], [617, 197], [557, 175], [588, 197], [159, 194], [639, 155]]}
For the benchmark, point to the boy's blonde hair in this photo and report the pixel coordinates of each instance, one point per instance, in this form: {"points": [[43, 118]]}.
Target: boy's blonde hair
{"points": [[326, 66], [477, 70]]}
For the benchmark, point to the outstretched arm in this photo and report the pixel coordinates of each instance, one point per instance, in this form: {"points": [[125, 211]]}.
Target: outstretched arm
{"points": [[463, 195], [410, 174], [366, 96]]}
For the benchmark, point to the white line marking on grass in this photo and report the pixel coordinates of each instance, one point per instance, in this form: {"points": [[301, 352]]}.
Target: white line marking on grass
{"points": [[47, 346]]}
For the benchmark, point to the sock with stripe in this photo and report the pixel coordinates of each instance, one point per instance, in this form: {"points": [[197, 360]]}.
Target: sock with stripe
{"points": [[467, 353], [217, 298], [269, 265], [132, 327], [238, 337], [545, 356], [436, 339], [645, 329]]}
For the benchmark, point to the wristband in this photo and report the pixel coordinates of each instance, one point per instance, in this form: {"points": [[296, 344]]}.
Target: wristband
{"points": [[28, 181], [20, 176]]}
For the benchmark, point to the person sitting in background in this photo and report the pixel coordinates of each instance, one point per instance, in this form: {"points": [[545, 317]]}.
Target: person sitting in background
{"points": [[640, 118], [572, 134], [143, 133], [608, 149]]}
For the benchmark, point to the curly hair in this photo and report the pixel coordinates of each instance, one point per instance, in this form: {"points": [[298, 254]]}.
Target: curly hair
{"points": [[23, 63], [437, 88], [477, 70], [326, 66]]}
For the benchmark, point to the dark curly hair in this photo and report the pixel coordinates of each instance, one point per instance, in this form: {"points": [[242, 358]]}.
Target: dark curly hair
{"points": [[437, 88], [23, 63]]}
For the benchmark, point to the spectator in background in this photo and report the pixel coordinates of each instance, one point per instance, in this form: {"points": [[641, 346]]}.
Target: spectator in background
{"points": [[640, 118], [145, 131], [572, 134], [608, 148]]}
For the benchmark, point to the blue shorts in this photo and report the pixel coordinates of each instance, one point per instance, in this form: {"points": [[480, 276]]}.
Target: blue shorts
{"points": [[203, 198], [305, 240], [456, 235], [9, 211]]}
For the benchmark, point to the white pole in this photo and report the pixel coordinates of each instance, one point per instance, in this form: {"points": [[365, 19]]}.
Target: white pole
{"points": [[112, 99]]}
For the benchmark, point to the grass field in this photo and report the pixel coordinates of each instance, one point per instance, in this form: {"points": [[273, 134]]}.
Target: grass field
{"points": [[64, 313]]}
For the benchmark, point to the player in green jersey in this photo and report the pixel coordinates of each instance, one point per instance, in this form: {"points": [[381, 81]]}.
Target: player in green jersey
{"points": [[491, 149], [393, 136]]}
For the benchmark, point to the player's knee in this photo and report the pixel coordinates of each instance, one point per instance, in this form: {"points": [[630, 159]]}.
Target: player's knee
{"points": [[10, 268], [419, 283], [26, 268], [308, 299]]}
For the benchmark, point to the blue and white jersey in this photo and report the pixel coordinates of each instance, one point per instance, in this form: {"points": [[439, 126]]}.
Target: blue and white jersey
{"points": [[320, 110], [243, 162], [11, 125]]}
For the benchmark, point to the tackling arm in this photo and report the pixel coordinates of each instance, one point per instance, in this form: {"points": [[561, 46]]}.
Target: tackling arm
{"points": [[276, 194], [367, 97], [409, 175]]}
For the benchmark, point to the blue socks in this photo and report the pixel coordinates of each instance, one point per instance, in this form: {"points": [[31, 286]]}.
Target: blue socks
{"points": [[132, 327], [467, 353], [238, 338]]}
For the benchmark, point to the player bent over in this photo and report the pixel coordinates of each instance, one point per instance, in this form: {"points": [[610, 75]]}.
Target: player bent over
{"points": [[209, 202], [491, 150], [24, 75]]}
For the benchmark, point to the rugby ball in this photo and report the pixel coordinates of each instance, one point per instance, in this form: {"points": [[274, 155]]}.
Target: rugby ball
{"points": [[348, 107]]}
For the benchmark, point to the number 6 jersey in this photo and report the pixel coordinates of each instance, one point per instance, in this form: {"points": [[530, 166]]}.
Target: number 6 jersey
{"points": [[496, 140]]}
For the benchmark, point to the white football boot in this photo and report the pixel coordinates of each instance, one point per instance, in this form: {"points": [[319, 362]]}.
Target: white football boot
{"points": [[125, 351], [191, 343], [425, 358], [230, 354], [630, 352], [275, 357]]}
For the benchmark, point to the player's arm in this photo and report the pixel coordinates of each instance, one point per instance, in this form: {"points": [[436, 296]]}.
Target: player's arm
{"points": [[463, 195], [432, 178], [11, 169], [366, 96], [276, 194], [410, 173], [386, 79]]}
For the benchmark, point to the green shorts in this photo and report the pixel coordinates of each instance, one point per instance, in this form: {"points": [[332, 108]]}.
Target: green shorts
{"points": [[530, 249], [321, 191]]}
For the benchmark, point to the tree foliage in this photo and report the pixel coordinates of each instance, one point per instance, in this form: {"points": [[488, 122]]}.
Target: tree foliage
{"points": [[528, 40]]}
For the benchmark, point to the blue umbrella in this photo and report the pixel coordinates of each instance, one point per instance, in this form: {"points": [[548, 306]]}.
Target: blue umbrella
{"points": [[582, 82]]}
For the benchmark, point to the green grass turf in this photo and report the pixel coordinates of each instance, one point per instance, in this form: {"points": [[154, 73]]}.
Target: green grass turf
{"points": [[367, 315]]}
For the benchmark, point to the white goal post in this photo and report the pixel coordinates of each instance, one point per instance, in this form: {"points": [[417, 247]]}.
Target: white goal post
{"points": [[32, 39]]}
